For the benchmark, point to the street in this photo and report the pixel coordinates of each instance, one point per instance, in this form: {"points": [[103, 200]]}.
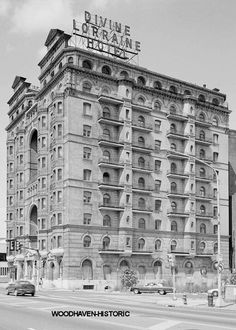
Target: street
{"points": [[146, 311]]}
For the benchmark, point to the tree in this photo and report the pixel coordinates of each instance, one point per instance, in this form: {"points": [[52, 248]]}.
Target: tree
{"points": [[129, 278]]}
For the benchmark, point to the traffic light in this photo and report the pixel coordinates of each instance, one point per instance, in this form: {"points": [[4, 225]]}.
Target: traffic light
{"points": [[18, 246], [12, 245]]}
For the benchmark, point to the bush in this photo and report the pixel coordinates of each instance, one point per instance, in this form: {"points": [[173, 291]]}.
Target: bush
{"points": [[129, 278]]}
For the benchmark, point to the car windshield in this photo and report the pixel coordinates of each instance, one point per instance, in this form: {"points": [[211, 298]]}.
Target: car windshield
{"points": [[23, 282]]}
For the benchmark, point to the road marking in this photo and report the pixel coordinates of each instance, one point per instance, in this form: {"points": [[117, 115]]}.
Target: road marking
{"points": [[164, 325]]}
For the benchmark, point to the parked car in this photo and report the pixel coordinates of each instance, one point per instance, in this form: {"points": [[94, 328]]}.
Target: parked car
{"points": [[152, 288], [214, 292], [21, 288]]}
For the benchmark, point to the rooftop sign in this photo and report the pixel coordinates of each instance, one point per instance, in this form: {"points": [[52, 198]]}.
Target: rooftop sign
{"points": [[104, 35]]}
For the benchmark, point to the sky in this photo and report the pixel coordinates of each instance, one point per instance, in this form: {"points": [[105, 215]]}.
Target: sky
{"points": [[192, 40]]}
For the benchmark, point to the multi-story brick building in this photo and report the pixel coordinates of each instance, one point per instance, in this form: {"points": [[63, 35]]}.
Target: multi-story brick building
{"points": [[104, 172]]}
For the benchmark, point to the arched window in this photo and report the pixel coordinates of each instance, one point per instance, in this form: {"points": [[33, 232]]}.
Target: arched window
{"points": [[157, 85], [141, 121], [141, 183], [141, 141], [173, 89], [215, 248], [157, 245], [141, 81], [173, 168], [172, 128], [173, 245], [202, 154], [173, 187], [202, 191], [188, 267], [124, 265], [201, 117], [201, 98], [141, 100], [106, 199], [141, 224], [106, 177], [106, 112], [202, 172], [202, 135], [106, 243], [106, 134], [173, 206], [124, 74], [141, 244], [141, 162], [106, 221], [173, 146], [173, 109], [202, 228], [141, 203], [106, 156], [202, 209], [87, 64], [106, 70], [157, 269], [215, 101], [86, 87], [70, 60], [87, 241], [157, 106], [187, 92], [215, 121], [202, 246], [174, 226]]}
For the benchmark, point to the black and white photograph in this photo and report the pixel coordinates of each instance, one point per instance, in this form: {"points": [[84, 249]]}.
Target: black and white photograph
{"points": [[118, 164]]}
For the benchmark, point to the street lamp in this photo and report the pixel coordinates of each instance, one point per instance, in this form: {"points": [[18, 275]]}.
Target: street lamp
{"points": [[219, 300]]}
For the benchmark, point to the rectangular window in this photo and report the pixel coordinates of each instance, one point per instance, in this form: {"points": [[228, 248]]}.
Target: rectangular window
{"points": [[44, 123], [43, 244], [157, 224], [43, 223], [59, 108], [59, 218], [21, 140], [59, 174], [43, 162], [10, 183], [127, 199], [59, 241], [59, 152], [87, 109], [127, 113], [59, 130], [87, 175], [21, 159], [43, 142], [128, 242], [215, 138], [157, 165], [157, 205], [157, 186], [43, 183], [21, 214], [157, 125], [87, 218], [157, 145], [11, 167], [215, 156], [21, 195], [87, 197], [21, 177], [43, 203], [10, 200], [59, 196], [86, 130], [10, 150], [87, 153]]}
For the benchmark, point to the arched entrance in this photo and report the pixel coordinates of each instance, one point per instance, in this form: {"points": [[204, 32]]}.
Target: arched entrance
{"points": [[157, 270], [87, 270]]}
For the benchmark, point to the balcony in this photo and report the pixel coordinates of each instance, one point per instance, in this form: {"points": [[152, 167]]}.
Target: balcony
{"points": [[142, 127], [203, 141], [177, 174], [177, 193], [110, 162], [177, 135], [113, 142], [142, 148], [142, 189], [176, 116], [203, 178], [111, 206], [140, 107], [176, 154], [142, 168], [142, 252], [206, 197], [178, 212], [110, 99], [112, 184], [142, 209], [204, 215], [206, 158], [112, 120], [110, 251], [203, 123]]}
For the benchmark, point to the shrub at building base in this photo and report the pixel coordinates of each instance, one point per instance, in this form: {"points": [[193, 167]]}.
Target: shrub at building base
{"points": [[128, 278]]}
